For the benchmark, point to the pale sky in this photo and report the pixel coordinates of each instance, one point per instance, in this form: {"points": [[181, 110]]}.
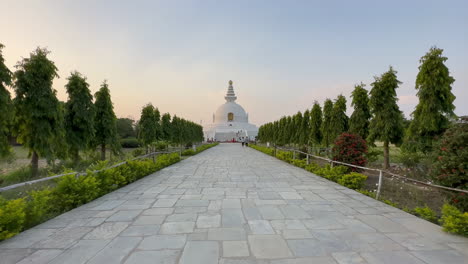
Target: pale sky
{"points": [[281, 55]]}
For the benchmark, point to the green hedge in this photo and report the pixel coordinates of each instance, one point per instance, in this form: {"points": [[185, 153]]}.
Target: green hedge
{"points": [[72, 191], [191, 152], [129, 142]]}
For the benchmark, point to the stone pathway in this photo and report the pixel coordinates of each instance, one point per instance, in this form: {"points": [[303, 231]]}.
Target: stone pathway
{"points": [[234, 205]]}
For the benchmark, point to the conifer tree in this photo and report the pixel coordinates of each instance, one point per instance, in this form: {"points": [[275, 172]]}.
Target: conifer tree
{"points": [[435, 107], [38, 112], [6, 107], [386, 124], [327, 132], [157, 118], [316, 124], [148, 128], [339, 119], [166, 127], [305, 129], [79, 115], [105, 122], [359, 121], [296, 128]]}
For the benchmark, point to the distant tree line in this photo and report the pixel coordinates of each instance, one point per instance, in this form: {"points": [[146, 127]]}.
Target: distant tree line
{"points": [[52, 129], [376, 115]]}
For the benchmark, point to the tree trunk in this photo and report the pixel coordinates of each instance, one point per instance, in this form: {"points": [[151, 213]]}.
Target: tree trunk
{"points": [[76, 157], [103, 151], [386, 155], [34, 164]]}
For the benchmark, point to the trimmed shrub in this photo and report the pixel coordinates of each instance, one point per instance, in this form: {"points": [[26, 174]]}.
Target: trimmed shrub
{"points": [[129, 142], [72, 191], [426, 213], [350, 148], [266, 150], [40, 207], [333, 174], [299, 163], [353, 180], [454, 221], [450, 167], [12, 217]]}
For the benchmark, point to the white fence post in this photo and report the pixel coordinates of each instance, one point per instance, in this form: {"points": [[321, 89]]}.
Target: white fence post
{"points": [[294, 154], [380, 185], [308, 159], [331, 164]]}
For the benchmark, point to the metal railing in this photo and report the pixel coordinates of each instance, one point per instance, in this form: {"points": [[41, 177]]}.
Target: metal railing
{"points": [[77, 174], [381, 172]]}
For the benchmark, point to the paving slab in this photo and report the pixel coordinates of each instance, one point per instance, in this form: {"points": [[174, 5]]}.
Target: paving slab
{"points": [[234, 205]]}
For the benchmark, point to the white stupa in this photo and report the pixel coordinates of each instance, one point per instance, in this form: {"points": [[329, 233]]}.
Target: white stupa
{"points": [[230, 121]]}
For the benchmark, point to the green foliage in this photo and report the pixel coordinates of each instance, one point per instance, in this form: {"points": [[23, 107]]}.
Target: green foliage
{"points": [[12, 217], [368, 193], [353, 180], [40, 207], [450, 167], [148, 126], [386, 124], [79, 115], [6, 107], [106, 121], [410, 159], [316, 124], [129, 143], [299, 163], [426, 213], [454, 221], [339, 119], [166, 127], [350, 148], [75, 190], [265, 150], [373, 154], [191, 152], [332, 173], [185, 132], [305, 129], [327, 126], [38, 113], [359, 120], [125, 128], [435, 107]]}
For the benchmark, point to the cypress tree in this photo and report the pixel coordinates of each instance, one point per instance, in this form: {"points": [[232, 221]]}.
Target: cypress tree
{"points": [[157, 119], [105, 122], [305, 130], [386, 124], [38, 113], [296, 128], [327, 132], [79, 115], [359, 121], [316, 124], [339, 119], [6, 107], [435, 107], [166, 127], [147, 126]]}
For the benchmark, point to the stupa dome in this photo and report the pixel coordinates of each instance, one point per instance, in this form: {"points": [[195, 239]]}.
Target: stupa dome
{"points": [[223, 114]]}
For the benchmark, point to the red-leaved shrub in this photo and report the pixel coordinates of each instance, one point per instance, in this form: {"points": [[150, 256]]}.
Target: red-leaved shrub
{"points": [[350, 148]]}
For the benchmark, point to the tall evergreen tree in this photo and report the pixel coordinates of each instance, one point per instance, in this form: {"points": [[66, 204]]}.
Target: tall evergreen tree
{"points": [[79, 115], [435, 107], [296, 128], [105, 122], [157, 118], [359, 121], [148, 128], [305, 128], [339, 119], [38, 113], [327, 132], [316, 124], [386, 124], [6, 107], [166, 127]]}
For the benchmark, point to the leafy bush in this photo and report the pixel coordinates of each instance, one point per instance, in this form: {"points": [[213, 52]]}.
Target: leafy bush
{"points": [[312, 167], [138, 152], [410, 159], [266, 150], [350, 148], [454, 221], [332, 173], [191, 152], [368, 193], [72, 191], [12, 217], [188, 152], [426, 213], [299, 163], [284, 155], [353, 180], [450, 167], [40, 206], [373, 154], [129, 142]]}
